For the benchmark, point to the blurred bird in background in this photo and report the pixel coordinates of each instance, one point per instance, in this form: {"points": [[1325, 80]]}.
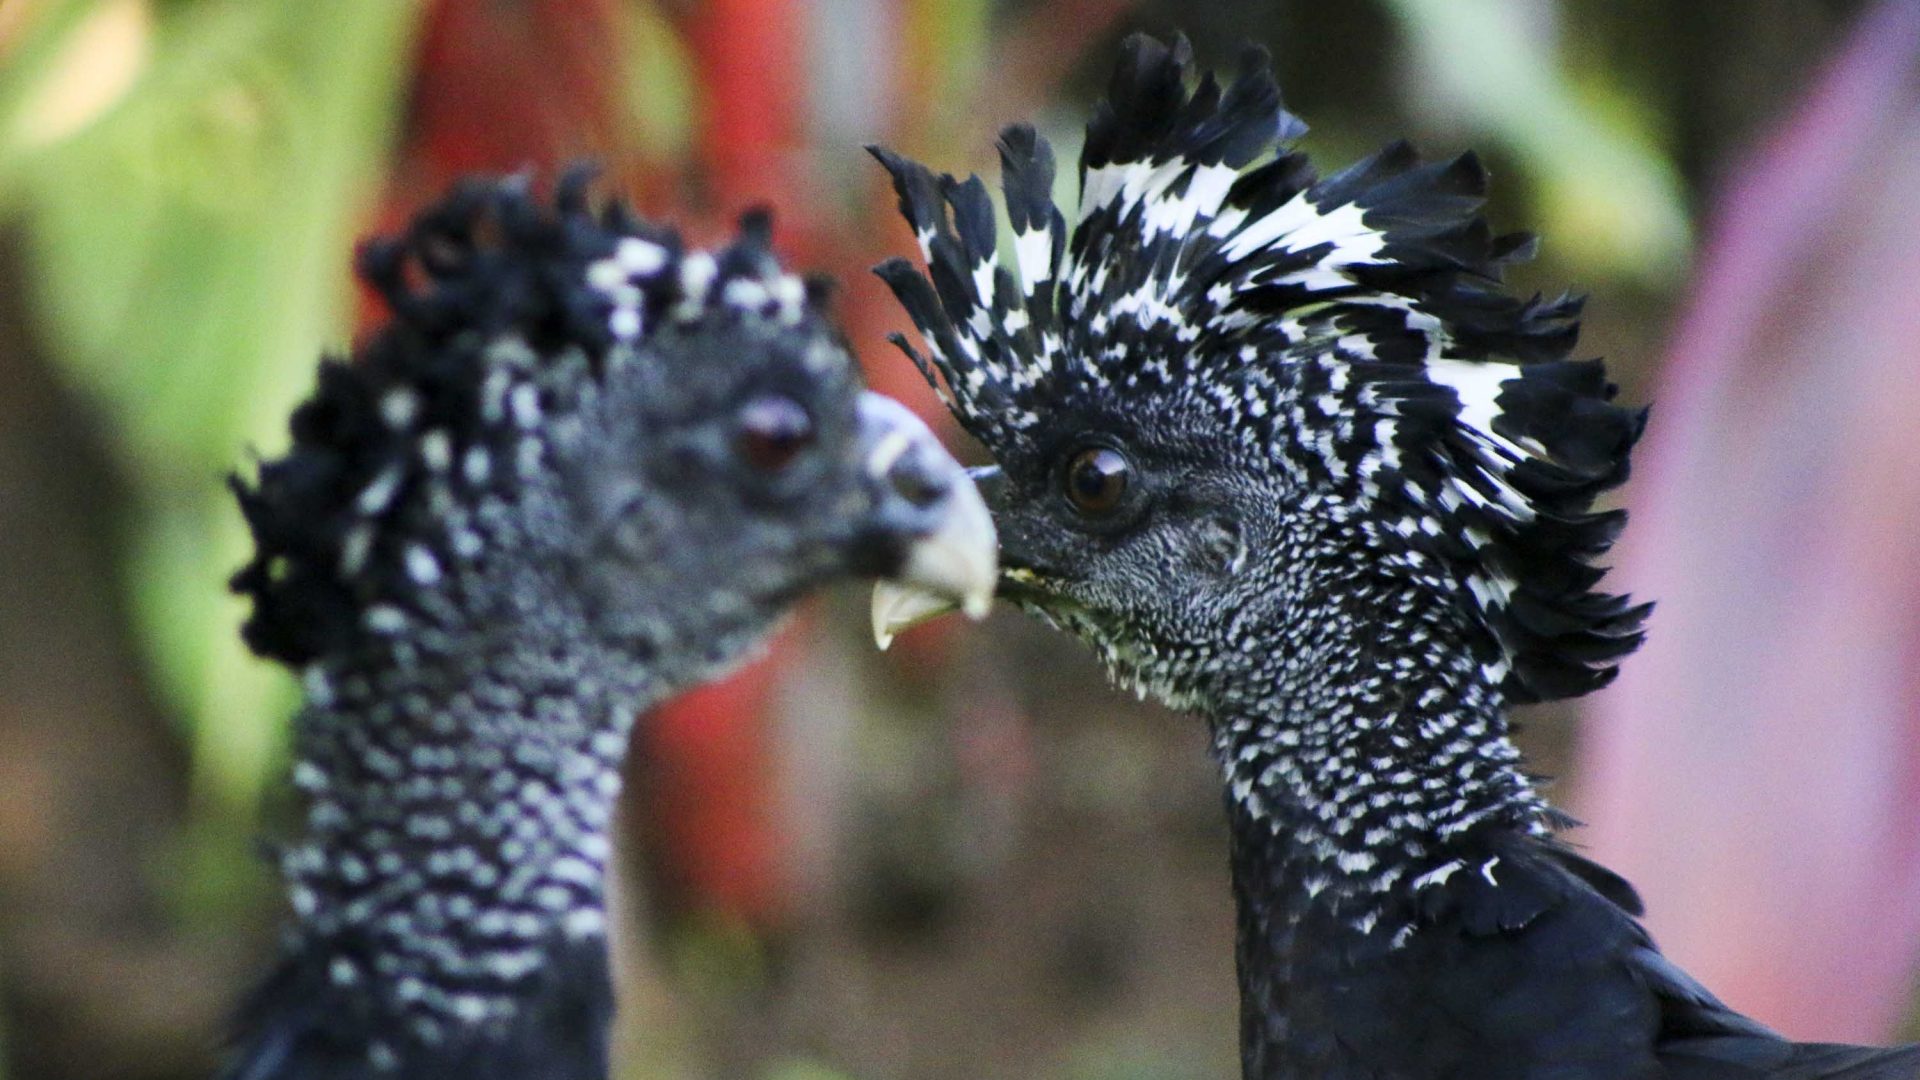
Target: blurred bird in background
{"points": [[580, 469]]}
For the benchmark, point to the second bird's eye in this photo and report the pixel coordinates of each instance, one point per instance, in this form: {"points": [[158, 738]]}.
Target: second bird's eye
{"points": [[773, 431], [1097, 480]]}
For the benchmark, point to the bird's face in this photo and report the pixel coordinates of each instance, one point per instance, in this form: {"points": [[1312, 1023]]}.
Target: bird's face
{"points": [[1140, 533], [728, 472]]}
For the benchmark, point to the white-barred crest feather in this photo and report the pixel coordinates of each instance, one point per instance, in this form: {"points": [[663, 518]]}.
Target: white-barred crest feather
{"points": [[1353, 325]]}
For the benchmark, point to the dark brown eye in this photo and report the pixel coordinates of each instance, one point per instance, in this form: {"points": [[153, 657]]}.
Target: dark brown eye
{"points": [[1097, 480], [773, 431]]}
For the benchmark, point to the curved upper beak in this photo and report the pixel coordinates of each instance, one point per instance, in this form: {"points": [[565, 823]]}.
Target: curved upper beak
{"points": [[926, 499], [901, 604]]}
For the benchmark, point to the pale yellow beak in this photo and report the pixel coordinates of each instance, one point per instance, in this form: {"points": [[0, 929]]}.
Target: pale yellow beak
{"points": [[952, 565], [952, 570]]}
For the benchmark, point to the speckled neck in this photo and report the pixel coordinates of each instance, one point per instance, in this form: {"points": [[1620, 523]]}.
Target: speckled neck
{"points": [[457, 831], [1382, 742]]}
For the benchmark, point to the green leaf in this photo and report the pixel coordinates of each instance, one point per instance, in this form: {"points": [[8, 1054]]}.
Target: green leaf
{"points": [[804, 1070], [659, 85], [1609, 196], [189, 249]]}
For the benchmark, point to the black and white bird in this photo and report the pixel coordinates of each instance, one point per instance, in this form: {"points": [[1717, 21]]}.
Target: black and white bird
{"points": [[1282, 450], [582, 468]]}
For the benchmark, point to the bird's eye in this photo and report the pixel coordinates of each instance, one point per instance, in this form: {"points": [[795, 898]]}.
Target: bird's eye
{"points": [[1097, 479], [773, 431]]}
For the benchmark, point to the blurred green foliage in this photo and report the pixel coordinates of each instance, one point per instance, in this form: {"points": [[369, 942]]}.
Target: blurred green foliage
{"points": [[801, 1070], [659, 86], [188, 179], [1609, 196], [953, 39]]}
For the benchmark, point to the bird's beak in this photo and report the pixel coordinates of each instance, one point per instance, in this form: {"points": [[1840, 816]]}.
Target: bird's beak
{"points": [[901, 604], [951, 555]]}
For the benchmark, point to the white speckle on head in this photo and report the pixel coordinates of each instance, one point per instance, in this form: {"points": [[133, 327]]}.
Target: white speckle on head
{"points": [[476, 465], [470, 1008], [745, 294], [375, 496], [641, 257], [527, 454], [398, 407], [385, 619], [697, 272], [318, 685], [422, 567], [791, 294], [436, 450], [524, 402], [309, 777], [608, 276]]}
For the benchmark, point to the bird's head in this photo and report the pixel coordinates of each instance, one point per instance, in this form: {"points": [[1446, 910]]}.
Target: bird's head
{"points": [[575, 427], [1231, 384]]}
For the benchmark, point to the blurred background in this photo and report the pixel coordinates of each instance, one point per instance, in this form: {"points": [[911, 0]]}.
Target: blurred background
{"points": [[966, 858]]}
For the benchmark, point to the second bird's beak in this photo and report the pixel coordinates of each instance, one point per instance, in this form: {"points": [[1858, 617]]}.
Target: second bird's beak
{"points": [[951, 554], [900, 604]]}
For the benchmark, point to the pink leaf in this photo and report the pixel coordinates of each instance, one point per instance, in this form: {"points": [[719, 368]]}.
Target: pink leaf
{"points": [[1756, 770]]}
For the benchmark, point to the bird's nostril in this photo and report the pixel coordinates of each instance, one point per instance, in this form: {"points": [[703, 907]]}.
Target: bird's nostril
{"points": [[917, 480]]}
